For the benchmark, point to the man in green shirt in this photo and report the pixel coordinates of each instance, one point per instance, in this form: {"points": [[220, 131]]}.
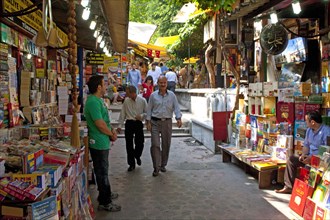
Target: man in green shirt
{"points": [[100, 133]]}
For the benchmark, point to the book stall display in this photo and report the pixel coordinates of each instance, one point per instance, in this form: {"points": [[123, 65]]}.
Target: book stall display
{"points": [[270, 126], [41, 175]]}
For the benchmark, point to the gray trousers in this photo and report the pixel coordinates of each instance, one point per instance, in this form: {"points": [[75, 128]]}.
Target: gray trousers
{"points": [[160, 130]]}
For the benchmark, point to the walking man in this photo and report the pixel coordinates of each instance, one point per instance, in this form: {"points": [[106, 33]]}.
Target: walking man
{"points": [[162, 104], [134, 112], [134, 77], [100, 133], [154, 73], [171, 79]]}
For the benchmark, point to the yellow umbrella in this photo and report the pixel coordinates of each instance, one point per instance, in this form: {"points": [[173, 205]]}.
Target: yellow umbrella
{"points": [[191, 60]]}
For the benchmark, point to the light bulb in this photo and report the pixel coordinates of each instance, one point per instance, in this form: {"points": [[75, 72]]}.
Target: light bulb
{"points": [[296, 7], [102, 44], [84, 3], [273, 18], [96, 33], [99, 38], [92, 25], [258, 25], [86, 13]]}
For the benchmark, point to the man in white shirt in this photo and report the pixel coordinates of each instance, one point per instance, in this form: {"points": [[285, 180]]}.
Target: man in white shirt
{"points": [[154, 73], [134, 112], [171, 79]]}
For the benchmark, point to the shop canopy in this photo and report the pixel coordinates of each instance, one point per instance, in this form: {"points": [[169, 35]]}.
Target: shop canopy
{"points": [[167, 41], [150, 50]]}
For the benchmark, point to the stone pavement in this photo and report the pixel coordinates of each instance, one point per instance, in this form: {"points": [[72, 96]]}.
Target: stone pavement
{"points": [[197, 185]]}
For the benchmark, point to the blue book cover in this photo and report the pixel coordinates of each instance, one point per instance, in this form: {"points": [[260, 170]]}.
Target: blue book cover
{"points": [[44, 209]]}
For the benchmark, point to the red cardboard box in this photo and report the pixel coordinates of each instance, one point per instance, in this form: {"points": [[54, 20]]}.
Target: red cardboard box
{"points": [[300, 192]]}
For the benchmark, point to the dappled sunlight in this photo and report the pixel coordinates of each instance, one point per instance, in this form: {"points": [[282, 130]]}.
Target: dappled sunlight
{"points": [[280, 202]]}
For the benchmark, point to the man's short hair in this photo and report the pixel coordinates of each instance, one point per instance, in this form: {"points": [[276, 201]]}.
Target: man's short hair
{"points": [[94, 82], [316, 116], [131, 89]]}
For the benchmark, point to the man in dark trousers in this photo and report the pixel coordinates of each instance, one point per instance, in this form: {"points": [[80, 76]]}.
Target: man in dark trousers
{"points": [[162, 104], [134, 112], [316, 135], [99, 133]]}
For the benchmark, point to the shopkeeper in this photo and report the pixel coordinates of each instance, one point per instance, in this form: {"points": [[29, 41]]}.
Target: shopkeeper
{"points": [[316, 135]]}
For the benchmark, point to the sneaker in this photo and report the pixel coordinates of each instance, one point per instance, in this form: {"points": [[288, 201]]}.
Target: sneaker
{"points": [[111, 207], [114, 195], [162, 169]]}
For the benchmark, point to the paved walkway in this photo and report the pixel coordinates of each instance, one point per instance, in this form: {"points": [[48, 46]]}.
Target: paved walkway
{"points": [[197, 186]]}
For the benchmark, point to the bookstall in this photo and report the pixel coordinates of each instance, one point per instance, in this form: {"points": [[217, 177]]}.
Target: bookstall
{"points": [[288, 77], [43, 143]]}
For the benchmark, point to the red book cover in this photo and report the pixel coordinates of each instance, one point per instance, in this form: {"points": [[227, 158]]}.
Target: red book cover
{"points": [[285, 112], [299, 111], [300, 192], [309, 209], [311, 107], [320, 213], [315, 161], [304, 174]]}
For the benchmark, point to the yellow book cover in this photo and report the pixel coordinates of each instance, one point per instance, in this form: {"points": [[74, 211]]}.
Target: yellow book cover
{"points": [[264, 165]]}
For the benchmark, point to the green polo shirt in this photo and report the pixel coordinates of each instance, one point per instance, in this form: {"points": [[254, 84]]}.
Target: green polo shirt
{"points": [[95, 109]]}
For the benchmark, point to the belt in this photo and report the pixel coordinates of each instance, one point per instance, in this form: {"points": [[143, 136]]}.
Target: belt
{"points": [[159, 119]]}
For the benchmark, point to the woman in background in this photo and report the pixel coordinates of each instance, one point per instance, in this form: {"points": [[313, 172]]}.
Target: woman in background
{"points": [[147, 87]]}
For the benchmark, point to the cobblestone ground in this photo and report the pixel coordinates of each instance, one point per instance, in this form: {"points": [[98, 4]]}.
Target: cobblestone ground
{"points": [[197, 185]]}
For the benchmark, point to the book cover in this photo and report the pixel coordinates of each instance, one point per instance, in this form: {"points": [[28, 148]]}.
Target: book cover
{"points": [[33, 192], [321, 213], [319, 193], [304, 174], [285, 112], [45, 209], [300, 192], [309, 209], [314, 177], [264, 165], [38, 180]]}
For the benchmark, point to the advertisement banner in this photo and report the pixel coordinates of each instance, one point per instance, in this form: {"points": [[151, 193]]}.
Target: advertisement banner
{"points": [[111, 64]]}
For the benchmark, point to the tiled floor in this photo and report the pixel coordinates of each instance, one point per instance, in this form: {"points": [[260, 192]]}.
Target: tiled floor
{"points": [[197, 185]]}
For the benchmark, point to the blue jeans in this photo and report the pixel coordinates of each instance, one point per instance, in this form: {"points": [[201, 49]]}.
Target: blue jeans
{"points": [[101, 166]]}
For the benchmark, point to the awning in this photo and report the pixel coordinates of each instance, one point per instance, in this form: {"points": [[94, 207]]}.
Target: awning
{"points": [[153, 48], [116, 14], [140, 32], [164, 41]]}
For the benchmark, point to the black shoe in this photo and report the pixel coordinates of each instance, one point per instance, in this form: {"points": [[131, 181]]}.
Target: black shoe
{"points": [[138, 161], [155, 173], [114, 195], [130, 168], [111, 207], [162, 169]]}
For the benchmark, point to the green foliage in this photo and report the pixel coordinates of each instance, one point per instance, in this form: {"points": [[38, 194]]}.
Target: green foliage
{"points": [[157, 12], [162, 12]]}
